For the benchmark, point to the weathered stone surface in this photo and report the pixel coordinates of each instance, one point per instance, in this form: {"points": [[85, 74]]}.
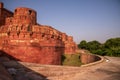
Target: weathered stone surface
{"points": [[24, 39], [4, 13], [86, 57]]}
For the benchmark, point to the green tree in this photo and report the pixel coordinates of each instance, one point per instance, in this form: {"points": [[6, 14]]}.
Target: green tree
{"points": [[83, 44], [93, 45], [113, 42], [112, 47]]}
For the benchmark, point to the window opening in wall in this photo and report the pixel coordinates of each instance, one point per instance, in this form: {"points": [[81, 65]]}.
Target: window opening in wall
{"points": [[52, 36], [28, 29], [79, 57], [43, 35], [25, 17], [15, 11], [16, 27], [21, 27], [30, 12], [10, 20]]}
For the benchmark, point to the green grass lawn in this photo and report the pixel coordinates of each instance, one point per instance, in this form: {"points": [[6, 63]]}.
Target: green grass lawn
{"points": [[71, 60]]}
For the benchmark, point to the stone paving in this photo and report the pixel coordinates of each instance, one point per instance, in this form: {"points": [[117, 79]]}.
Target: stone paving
{"points": [[107, 70]]}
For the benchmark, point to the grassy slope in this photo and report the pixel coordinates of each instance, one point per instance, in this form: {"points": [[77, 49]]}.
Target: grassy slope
{"points": [[71, 60]]}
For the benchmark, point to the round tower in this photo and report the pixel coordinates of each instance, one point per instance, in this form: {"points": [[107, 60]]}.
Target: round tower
{"points": [[1, 5], [24, 16]]}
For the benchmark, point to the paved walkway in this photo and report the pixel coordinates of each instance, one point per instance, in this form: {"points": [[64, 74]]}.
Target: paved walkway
{"points": [[109, 70]]}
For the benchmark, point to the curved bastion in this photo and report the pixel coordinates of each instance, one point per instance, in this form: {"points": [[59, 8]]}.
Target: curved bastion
{"points": [[52, 72], [24, 39]]}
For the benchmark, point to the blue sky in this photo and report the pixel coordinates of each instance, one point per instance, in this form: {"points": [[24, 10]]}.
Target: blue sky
{"points": [[83, 19]]}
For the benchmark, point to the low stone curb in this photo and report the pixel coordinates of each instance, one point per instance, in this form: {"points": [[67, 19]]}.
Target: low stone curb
{"points": [[94, 63]]}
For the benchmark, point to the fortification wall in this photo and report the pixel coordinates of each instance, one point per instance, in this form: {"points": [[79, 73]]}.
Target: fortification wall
{"points": [[70, 45], [24, 16], [36, 45], [24, 39], [89, 58], [35, 54], [4, 13], [39, 45]]}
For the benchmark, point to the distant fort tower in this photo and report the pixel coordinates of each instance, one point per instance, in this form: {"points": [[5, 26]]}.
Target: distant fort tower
{"points": [[1, 5], [24, 39], [24, 16], [4, 13]]}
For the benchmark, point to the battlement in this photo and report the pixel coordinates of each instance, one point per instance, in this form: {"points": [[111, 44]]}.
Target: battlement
{"points": [[24, 15], [26, 40], [4, 13], [1, 5]]}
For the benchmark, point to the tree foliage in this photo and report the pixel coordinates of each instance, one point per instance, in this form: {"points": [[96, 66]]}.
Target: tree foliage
{"points": [[93, 45], [110, 48], [83, 44], [113, 42]]}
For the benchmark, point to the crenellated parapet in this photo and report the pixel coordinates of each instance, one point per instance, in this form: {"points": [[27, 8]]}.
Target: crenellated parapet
{"points": [[4, 13], [26, 40], [24, 16], [1, 5]]}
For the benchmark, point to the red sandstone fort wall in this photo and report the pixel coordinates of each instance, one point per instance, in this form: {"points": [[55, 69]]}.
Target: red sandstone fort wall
{"points": [[89, 58], [22, 38], [36, 54], [4, 13]]}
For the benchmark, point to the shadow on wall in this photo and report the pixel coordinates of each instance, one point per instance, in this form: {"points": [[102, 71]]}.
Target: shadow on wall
{"points": [[17, 70]]}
